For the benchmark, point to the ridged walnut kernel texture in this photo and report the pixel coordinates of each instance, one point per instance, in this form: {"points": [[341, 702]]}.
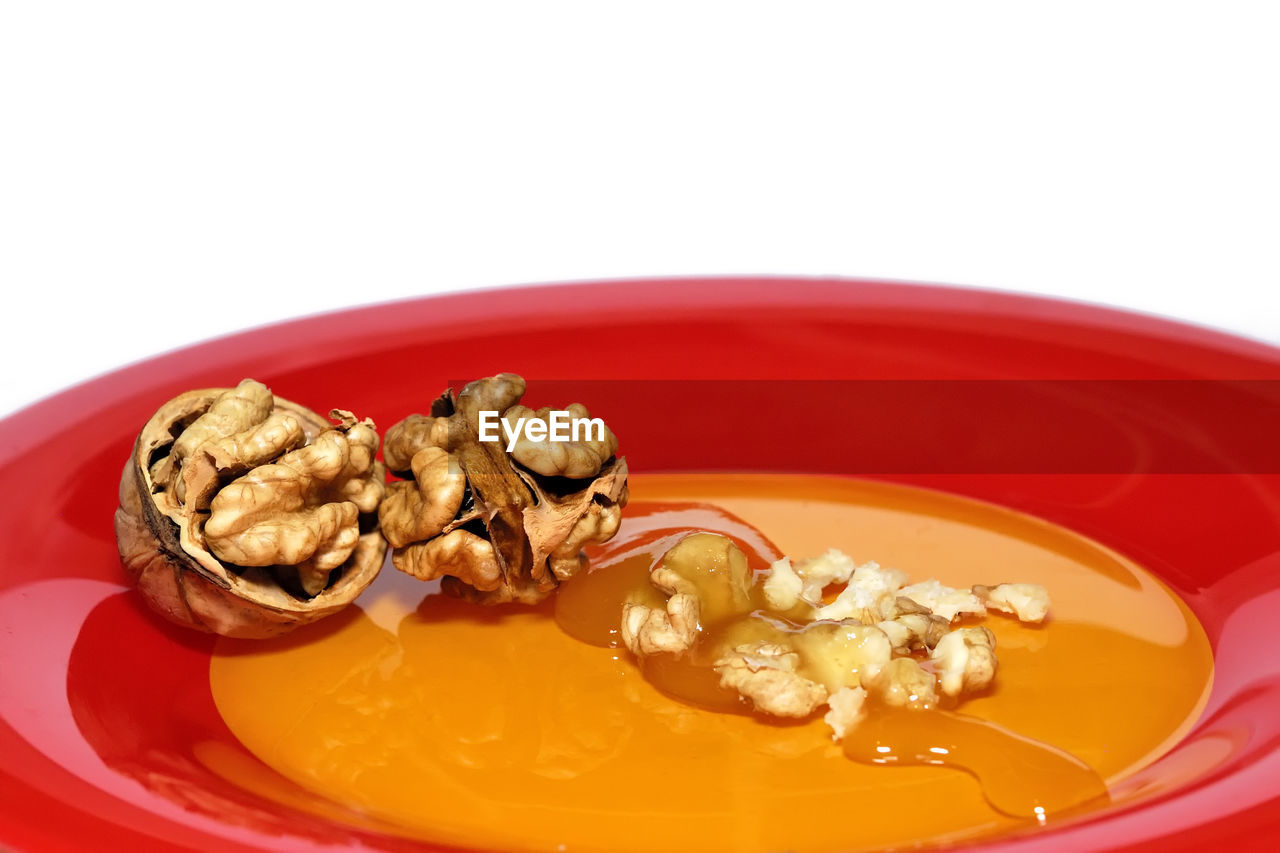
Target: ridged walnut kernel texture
{"points": [[497, 526], [246, 515]]}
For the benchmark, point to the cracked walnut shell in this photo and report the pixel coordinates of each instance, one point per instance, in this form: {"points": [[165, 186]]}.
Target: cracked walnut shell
{"points": [[497, 526], [246, 515]]}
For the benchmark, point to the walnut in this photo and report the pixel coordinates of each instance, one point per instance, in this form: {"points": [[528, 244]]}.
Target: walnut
{"points": [[497, 526], [579, 457], [843, 654], [788, 586], [845, 710], [966, 660], [706, 579], [818, 573], [765, 673], [943, 600], [244, 514], [869, 597], [865, 650], [1029, 602], [782, 587], [649, 631], [903, 683], [912, 631]]}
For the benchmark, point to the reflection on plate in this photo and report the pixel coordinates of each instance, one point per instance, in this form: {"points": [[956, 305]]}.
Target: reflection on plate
{"points": [[117, 741]]}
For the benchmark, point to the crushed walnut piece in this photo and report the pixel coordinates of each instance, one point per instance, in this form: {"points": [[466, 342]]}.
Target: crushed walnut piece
{"points": [[823, 632], [765, 673], [1029, 602], [706, 580]]}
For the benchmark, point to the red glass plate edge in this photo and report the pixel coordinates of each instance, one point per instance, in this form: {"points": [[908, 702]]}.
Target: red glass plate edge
{"points": [[1166, 349]]}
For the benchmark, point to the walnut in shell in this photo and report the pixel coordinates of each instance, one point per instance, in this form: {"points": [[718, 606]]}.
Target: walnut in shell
{"points": [[497, 526], [246, 515]]}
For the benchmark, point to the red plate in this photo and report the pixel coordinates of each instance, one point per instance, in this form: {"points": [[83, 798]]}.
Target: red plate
{"points": [[1158, 439]]}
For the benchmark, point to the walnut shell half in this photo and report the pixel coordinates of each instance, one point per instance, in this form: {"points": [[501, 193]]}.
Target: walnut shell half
{"points": [[246, 515]]}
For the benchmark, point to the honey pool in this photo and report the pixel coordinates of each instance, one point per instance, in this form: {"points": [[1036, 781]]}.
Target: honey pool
{"points": [[496, 727]]}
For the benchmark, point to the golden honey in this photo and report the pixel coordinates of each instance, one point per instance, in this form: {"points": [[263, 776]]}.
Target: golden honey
{"points": [[501, 727]]}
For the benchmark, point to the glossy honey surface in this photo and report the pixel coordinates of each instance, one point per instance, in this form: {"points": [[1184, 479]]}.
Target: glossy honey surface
{"points": [[498, 727]]}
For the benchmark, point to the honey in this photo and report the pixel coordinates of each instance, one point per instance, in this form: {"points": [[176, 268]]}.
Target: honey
{"points": [[520, 728], [1018, 776]]}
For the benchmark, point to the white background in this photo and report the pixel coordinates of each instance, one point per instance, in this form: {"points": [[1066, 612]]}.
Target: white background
{"points": [[174, 171]]}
